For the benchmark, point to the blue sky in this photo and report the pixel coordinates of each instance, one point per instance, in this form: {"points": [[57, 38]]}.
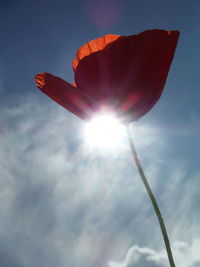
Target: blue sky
{"points": [[64, 204]]}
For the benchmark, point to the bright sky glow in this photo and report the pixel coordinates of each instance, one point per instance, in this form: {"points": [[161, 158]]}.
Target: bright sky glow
{"points": [[105, 132]]}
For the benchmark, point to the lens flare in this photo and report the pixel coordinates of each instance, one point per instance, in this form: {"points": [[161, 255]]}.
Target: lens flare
{"points": [[105, 132]]}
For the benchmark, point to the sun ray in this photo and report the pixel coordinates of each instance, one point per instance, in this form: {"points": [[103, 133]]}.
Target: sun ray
{"points": [[105, 132]]}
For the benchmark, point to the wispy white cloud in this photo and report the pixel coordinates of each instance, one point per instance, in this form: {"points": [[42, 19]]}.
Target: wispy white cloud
{"points": [[185, 255], [140, 257], [66, 204]]}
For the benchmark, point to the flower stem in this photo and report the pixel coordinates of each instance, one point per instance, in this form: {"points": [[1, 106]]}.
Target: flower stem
{"points": [[153, 200]]}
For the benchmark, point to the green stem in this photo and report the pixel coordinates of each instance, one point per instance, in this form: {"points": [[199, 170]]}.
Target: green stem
{"points": [[153, 200]]}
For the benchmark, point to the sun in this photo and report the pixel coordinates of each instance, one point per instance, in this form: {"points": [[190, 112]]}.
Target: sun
{"points": [[104, 132]]}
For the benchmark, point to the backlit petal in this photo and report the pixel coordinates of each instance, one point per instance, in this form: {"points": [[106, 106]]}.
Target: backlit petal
{"points": [[92, 47], [130, 73], [66, 95]]}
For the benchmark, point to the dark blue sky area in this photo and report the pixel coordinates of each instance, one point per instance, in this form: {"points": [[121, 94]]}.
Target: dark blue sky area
{"points": [[44, 35]]}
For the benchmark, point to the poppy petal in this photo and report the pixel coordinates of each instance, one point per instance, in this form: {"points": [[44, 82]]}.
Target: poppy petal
{"points": [[130, 73], [66, 95], [92, 47]]}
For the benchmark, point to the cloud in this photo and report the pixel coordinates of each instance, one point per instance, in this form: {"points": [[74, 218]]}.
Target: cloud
{"points": [[56, 197], [185, 255], [140, 257], [62, 203]]}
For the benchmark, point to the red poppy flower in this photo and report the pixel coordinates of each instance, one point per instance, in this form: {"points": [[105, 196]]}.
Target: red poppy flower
{"points": [[124, 74]]}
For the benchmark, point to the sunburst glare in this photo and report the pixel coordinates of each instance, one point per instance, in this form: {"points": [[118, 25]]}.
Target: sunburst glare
{"points": [[105, 132]]}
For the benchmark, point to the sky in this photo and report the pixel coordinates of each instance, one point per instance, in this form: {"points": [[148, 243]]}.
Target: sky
{"points": [[65, 204]]}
